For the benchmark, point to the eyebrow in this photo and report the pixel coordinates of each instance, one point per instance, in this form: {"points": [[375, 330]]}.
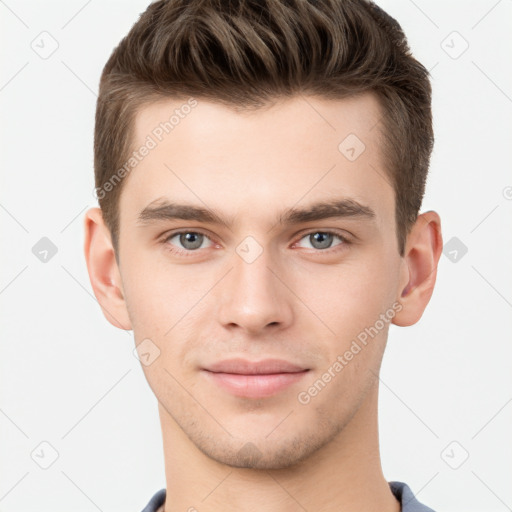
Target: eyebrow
{"points": [[162, 209]]}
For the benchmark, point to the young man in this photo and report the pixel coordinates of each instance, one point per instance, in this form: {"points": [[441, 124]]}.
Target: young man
{"points": [[260, 167]]}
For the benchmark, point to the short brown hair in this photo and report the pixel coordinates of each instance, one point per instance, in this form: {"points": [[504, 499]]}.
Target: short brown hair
{"points": [[247, 53]]}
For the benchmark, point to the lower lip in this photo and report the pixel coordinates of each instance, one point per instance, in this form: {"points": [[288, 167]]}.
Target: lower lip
{"points": [[255, 386]]}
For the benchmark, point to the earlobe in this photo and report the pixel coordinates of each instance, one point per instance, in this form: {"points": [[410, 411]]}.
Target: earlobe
{"points": [[423, 250], [103, 270]]}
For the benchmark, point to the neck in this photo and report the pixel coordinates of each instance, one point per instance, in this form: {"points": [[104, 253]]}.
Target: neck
{"points": [[345, 474]]}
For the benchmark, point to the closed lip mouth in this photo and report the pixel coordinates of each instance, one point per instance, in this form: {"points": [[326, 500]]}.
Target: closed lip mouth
{"points": [[245, 367]]}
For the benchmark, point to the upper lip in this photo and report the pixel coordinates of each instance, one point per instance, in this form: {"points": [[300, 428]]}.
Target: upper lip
{"points": [[263, 367]]}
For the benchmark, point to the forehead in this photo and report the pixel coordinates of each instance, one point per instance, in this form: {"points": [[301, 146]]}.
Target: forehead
{"points": [[296, 150], [299, 117]]}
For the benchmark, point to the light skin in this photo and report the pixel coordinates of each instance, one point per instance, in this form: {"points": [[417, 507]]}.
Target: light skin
{"points": [[303, 300]]}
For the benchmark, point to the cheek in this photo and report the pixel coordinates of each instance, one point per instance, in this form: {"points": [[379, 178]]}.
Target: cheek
{"points": [[353, 295], [153, 298], [166, 307], [351, 305]]}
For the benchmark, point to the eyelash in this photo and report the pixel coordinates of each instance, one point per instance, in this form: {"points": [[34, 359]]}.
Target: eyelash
{"points": [[188, 253]]}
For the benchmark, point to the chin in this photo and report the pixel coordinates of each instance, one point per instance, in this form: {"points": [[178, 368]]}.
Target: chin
{"points": [[281, 453]]}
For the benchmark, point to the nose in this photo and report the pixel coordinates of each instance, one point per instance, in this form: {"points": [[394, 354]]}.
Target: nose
{"points": [[255, 296]]}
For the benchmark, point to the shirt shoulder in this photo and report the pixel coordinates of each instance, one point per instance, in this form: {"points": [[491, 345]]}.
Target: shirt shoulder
{"points": [[155, 502], [408, 501]]}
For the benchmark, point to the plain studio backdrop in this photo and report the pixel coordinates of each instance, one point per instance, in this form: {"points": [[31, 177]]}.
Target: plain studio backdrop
{"points": [[79, 424]]}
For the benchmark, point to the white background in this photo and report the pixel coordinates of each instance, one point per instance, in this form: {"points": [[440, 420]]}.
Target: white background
{"points": [[70, 379]]}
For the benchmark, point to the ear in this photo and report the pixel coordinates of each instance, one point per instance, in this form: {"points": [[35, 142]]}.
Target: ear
{"points": [[103, 270], [422, 252]]}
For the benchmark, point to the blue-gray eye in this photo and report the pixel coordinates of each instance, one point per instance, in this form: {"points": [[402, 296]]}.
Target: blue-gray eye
{"points": [[191, 240], [322, 239]]}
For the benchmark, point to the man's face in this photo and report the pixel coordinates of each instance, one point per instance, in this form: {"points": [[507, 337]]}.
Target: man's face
{"points": [[253, 288]]}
